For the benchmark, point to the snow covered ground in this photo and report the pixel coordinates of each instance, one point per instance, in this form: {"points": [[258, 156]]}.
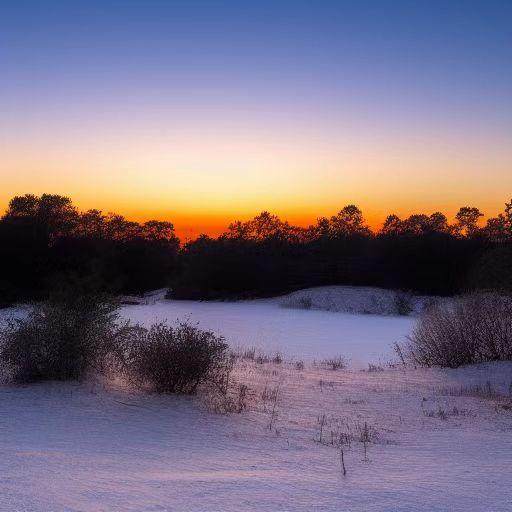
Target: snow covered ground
{"points": [[303, 334], [437, 447], [358, 300], [438, 440], [267, 326]]}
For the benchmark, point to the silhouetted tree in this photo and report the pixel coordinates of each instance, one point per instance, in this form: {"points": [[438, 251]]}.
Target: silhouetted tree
{"points": [[467, 220], [45, 236], [348, 221], [393, 225], [42, 237], [499, 229]]}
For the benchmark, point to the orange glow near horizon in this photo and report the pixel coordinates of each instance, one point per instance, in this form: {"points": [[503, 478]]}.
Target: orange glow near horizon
{"points": [[203, 172], [298, 181], [213, 217], [202, 181]]}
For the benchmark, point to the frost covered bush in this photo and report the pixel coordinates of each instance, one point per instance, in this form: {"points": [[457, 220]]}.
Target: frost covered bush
{"points": [[62, 338], [472, 329], [177, 359]]}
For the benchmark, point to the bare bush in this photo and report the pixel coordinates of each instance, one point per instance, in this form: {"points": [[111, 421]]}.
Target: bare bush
{"points": [[340, 433], [248, 354], [274, 412], [270, 395], [63, 338], [444, 414], [367, 434], [277, 358], [168, 359], [334, 363], [263, 358], [403, 302], [234, 400], [472, 329], [299, 365]]}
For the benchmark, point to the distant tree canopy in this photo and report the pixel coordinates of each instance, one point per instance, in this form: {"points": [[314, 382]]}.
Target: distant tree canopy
{"points": [[45, 237], [421, 253]]}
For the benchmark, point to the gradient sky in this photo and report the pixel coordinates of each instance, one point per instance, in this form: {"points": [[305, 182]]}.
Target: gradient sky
{"points": [[201, 112]]}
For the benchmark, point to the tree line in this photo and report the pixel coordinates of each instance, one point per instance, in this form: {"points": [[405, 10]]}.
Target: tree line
{"points": [[45, 238]]}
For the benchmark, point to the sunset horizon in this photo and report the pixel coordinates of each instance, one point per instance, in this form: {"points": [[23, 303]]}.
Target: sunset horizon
{"points": [[203, 114], [189, 225]]}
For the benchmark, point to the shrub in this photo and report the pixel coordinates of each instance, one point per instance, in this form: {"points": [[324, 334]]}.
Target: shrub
{"points": [[226, 401], [299, 365], [277, 358], [167, 359], [334, 363], [403, 303], [62, 338], [472, 329], [305, 302], [249, 354]]}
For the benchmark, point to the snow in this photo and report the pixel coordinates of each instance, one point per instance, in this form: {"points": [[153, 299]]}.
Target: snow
{"points": [[443, 437], [84, 448], [302, 334], [265, 325], [358, 300]]}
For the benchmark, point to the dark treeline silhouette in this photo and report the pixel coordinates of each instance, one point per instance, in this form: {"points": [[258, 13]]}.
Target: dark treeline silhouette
{"points": [[422, 253], [43, 238]]}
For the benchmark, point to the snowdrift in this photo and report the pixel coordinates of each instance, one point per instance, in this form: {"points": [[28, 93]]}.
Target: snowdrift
{"points": [[358, 300]]}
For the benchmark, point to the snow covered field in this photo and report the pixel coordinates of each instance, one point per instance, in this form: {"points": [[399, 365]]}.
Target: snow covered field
{"points": [[438, 440], [83, 448], [268, 326], [303, 334]]}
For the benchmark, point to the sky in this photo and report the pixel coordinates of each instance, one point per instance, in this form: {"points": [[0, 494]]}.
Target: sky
{"points": [[202, 112]]}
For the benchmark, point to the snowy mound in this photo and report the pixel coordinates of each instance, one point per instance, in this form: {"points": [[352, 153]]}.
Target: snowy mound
{"points": [[358, 300], [147, 299]]}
